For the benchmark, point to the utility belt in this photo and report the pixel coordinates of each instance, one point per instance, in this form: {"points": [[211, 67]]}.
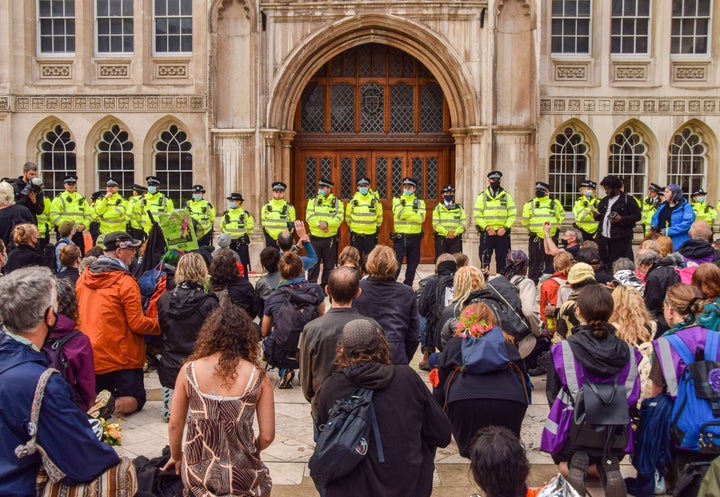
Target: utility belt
{"points": [[361, 236], [457, 237], [316, 238], [242, 240], [406, 236]]}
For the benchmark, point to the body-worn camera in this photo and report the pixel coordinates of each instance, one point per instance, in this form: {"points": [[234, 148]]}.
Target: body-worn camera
{"points": [[613, 215], [34, 185]]}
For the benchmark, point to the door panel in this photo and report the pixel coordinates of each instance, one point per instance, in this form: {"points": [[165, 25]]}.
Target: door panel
{"points": [[385, 170]]}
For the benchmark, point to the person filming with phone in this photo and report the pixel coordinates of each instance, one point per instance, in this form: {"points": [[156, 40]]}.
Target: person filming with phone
{"points": [[617, 214]]}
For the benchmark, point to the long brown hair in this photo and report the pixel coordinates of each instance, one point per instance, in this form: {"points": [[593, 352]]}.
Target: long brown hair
{"points": [[230, 331]]}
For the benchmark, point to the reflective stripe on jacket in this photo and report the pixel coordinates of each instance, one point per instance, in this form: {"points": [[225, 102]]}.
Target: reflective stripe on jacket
{"points": [[495, 211]]}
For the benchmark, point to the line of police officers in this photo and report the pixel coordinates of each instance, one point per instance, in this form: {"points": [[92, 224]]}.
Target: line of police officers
{"points": [[494, 214]]}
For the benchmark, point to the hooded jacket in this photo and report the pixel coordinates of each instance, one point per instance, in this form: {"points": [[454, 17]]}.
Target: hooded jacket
{"points": [[61, 424], [111, 315], [81, 365], [182, 312], [411, 425], [662, 275], [681, 219]]}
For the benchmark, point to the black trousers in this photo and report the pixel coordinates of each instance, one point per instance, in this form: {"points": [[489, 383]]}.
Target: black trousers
{"points": [[326, 249], [445, 245], [270, 241], [498, 244], [539, 262], [364, 243], [611, 249], [79, 239], [243, 252], [408, 247], [206, 240]]}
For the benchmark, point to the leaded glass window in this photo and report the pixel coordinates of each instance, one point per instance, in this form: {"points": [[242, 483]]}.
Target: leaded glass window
{"points": [[312, 115], [432, 172], [691, 20], [360, 167], [114, 158], [56, 26], [346, 179], [402, 108], [174, 164], [372, 108], [571, 26], [342, 108], [687, 160], [418, 173], [310, 177], [568, 165], [326, 168], [630, 26], [628, 160], [381, 177], [57, 159], [396, 171], [431, 108]]}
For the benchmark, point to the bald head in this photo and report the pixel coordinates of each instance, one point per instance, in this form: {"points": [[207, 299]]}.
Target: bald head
{"points": [[343, 285], [285, 240], [700, 230]]}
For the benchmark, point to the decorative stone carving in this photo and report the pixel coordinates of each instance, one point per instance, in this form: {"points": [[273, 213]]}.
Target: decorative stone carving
{"points": [[589, 105], [574, 105], [570, 72], [4, 104], [558, 105], [171, 71], [630, 73], [649, 106], [113, 71], [633, 105], [694, 106], [690, 73], [545, 105], [135, 103], [56, 71], [618, 105]]}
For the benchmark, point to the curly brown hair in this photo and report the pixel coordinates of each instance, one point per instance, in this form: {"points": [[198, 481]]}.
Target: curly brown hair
{"points": [[228, 330], [223, 269]]}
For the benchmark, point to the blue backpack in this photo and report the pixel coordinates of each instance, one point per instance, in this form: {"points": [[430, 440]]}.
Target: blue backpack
{"points": [[696, 414]]}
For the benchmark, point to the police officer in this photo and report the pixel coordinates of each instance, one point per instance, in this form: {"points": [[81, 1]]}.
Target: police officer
{"points": [[585, 209], [650, 204], [703, 211], [203, 212], [494, 214], [238, 223], [152, 203], [324, 215], [110, 209], [408, 218], [364, 215], [448, 221], [133, 215], [94, 226], [536, 212], [277, 215], [44, 224], [71, 206]]}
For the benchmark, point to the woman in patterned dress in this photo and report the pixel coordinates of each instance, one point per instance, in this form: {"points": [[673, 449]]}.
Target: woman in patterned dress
{"points": [[224, 388]]}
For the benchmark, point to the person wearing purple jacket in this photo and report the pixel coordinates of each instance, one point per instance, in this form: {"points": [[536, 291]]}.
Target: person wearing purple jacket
{"points": [[80, 370]]}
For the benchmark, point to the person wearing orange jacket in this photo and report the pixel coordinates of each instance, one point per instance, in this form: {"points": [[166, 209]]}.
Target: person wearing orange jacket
{"points": [[110, 313]]}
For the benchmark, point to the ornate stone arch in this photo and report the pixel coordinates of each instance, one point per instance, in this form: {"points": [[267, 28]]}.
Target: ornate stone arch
{"points": [[68, 161], [632, 144], [37, 134], [588, 134], [708, 139], [567, 147], [94, 135], [307, 58], [649, 138], [153, 134]]}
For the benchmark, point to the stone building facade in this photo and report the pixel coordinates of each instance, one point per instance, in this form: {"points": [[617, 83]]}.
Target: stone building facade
{"points": [[236, 94]]}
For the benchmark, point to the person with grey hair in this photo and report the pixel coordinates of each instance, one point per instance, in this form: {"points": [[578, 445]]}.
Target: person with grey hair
{"points": [[11, 214], [61, 424], [411, 424], [570, 241]]}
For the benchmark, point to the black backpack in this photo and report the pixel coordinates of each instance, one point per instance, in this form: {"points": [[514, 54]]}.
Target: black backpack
{"points": [[48, 257], [55, 351], [344, 440], [443, 294], [503, 298], [299, 307]]}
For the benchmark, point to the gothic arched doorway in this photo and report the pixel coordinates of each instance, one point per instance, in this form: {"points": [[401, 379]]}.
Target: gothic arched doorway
{"points": [[373, 111]]}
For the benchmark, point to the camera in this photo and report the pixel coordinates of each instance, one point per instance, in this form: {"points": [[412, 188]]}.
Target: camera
{"points": [[613, 215], [35, 185]]}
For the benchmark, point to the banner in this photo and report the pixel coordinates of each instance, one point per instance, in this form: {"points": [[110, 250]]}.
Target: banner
{"points": [[178, 230]]}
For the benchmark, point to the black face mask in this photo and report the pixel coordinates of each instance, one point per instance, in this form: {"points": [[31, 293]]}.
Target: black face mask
{"points": [[51, 329], [495, 184], [540, 193], [563, 243]]}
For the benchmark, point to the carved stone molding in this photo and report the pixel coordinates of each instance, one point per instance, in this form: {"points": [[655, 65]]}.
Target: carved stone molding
{"points": [[689, 73], [571, 72], [171, 71], [106, 103], [630, 105], [4, 104], [56, 71], [113, 71], [630, 72]]}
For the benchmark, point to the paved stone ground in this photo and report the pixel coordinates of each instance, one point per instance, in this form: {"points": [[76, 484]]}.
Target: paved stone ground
{"points": [[145, 433]]}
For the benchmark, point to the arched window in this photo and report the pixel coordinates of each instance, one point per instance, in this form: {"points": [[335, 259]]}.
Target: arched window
{"points": [[628, 160], [568, 165], [57, 159], [174, 164], [687, 160], [115, 159]]}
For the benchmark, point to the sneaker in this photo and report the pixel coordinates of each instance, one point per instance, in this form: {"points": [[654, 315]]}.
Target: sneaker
{"points": [[614, 482], [104, 406], [577, 468], [287, 379], [539, 370]]}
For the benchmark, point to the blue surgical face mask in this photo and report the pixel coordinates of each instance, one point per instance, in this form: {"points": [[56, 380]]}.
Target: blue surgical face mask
{"points": [[449, 198], [700, 199], [152, 190], [588, 193], [408, 192], [363, 190], [321, 192], [197, 196], [232, 205]]}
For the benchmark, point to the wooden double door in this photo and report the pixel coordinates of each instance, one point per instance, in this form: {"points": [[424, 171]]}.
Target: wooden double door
{"points": [[386, 169]]}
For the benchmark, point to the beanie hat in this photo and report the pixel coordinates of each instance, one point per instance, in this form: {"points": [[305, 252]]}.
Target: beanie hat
{"points": [[580, 272], [223, 240]]}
